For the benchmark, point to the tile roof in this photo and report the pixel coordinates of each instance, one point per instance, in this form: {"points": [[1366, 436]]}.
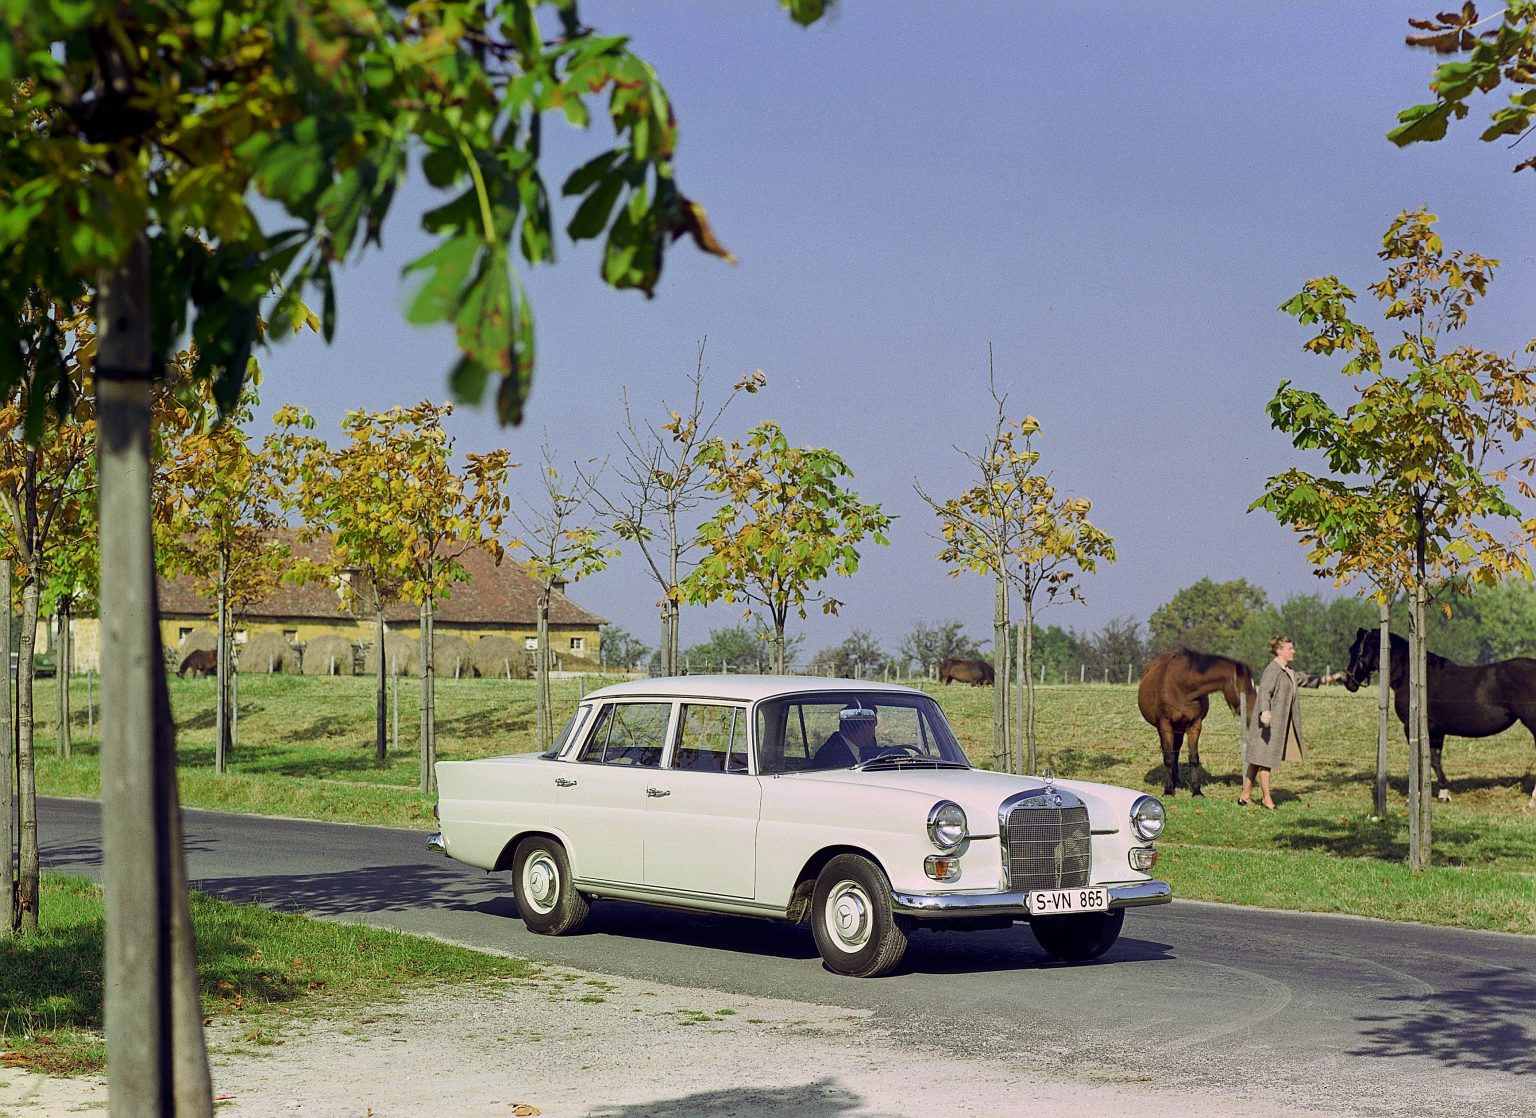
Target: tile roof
{"points": [[494, 595]]}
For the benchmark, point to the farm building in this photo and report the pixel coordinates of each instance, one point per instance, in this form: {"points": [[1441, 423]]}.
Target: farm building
{"points": [[497, 601]]}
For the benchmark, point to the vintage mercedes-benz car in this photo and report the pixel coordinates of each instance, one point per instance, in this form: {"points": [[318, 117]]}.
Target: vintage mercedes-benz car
{"points": [[843, 803]]}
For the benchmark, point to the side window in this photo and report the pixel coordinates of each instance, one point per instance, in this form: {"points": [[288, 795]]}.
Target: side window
{"points": [[628, 734], [711, 739], [570, 730]]}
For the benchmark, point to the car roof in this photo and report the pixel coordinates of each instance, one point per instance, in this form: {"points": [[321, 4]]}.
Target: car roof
{"points": [[739, 688]]}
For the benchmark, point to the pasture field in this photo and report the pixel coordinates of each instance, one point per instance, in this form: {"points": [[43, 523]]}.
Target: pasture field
{"points": [[305, 749]]}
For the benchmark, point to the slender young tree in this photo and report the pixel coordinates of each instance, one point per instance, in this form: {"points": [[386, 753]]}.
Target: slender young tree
{"points": [[338, 493], [1417, 463], [659, 482], [1055, 544], [560, 550], [979, 531], [45, 489], [786, 524], [220, 522], [425, 515]]}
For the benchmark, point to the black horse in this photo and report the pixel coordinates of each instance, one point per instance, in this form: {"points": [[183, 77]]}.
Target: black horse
{"points": [[1469, 701]]}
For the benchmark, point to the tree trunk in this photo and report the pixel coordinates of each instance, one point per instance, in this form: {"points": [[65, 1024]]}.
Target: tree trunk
{"points": [[428, 715], [1418, 844], [541, 672], [1383, 709], [61, 674], [156, 1059], [221, 705], [1002, 756], [8, 782], [776, 653], [26, 757], [380, 726], [1027, 660], [1421, 727]]}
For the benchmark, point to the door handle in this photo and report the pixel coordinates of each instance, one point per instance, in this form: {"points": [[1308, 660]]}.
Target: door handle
{"points": [[561, 782], [657, 792]]}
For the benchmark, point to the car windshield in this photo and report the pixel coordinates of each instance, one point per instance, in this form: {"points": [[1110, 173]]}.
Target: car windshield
{"points": [[843, 729]]}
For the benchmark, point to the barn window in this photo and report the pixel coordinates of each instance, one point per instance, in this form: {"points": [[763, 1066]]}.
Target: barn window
{"points": [[290, 635], [531, 643], [578, 643], [183, 633]]}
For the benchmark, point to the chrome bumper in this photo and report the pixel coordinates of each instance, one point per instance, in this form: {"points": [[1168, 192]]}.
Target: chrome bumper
{"points": [[435, 842], [959, 905]]}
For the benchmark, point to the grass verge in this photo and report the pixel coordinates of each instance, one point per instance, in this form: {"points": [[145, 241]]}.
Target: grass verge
{"points": [[258, 969]]}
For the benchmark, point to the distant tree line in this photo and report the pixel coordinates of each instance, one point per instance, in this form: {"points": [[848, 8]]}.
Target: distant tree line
{"points": [[1232, 618]]}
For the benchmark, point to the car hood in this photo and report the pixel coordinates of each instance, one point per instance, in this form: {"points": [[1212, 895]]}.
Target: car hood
{"points": [[978, 791]]}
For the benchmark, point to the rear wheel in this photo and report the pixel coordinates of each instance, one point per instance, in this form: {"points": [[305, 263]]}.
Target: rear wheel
{"points": [[856, 930], [546, 898], [1086, 935]]}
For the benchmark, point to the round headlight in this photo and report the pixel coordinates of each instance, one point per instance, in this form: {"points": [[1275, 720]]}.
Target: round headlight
{"points": [[1147, 818], [946, 825]]}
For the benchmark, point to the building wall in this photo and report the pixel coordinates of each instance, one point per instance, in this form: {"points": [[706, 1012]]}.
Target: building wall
{"points": [[85, 633]]}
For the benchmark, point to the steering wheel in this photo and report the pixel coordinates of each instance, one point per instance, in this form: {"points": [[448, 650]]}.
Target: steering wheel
{"points": [[898, 751]]}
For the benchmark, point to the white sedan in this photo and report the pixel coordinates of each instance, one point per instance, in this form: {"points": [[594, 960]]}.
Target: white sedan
{"points": [[841, 803]]}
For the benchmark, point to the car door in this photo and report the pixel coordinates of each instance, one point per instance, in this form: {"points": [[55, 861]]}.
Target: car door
{"points": [[701, 830], [601, 800]]}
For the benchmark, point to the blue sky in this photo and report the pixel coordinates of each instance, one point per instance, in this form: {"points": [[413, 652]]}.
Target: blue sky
{"points": [[1115, 197]]}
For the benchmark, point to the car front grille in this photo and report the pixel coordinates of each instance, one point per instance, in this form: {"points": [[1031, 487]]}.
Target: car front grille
{"points": [[1048, 844]]}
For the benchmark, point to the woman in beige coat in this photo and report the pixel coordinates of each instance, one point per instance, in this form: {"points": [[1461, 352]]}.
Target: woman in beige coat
{"points": [[1276, 722]]}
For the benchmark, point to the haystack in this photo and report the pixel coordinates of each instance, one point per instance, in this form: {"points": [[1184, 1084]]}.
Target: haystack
{"points": [[267, 653], [328, 654], [500, 658]]}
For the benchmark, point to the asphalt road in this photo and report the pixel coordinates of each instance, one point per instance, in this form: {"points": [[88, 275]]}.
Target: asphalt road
{"points": [[1333, 1013]]}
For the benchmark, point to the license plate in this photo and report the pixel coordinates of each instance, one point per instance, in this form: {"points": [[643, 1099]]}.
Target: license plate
{"points": [[1049, 902]]}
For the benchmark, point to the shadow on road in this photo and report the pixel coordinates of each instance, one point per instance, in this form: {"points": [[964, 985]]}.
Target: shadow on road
{"points": [[1485, 1025], [388, 888], [823, 1098]]}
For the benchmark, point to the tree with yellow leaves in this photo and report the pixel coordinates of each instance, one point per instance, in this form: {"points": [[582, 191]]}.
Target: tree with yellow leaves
{"points": [[785, 525], [1012, 525], [1418, 463]]}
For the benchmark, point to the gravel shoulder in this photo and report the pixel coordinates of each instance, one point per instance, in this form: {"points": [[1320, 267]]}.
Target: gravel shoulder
{"points": [[568, 1044]]}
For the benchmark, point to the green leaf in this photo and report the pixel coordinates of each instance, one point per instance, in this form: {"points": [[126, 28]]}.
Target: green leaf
{"points": [[448, 267]]}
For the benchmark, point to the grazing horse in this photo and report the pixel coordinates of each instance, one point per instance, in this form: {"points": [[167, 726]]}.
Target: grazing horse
{"points": [[200, 661], [1469, 701], [977, 673], [1172, 697]]}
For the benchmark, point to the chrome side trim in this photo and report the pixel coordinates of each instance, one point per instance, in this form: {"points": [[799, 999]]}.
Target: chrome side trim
{"points": [[435, 841], [958, 905], [680, 899]]}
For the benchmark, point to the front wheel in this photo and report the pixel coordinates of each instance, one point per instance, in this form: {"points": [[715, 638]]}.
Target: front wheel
{"points": [[1086, 935], [856, 930], [546, 898]]}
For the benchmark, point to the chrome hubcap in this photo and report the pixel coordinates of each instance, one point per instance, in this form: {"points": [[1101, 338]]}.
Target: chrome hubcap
{"points": [[848, 916], [541, 881]]}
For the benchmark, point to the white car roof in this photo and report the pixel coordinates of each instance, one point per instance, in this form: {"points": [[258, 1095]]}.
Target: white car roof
{"points": [[739, 688]]}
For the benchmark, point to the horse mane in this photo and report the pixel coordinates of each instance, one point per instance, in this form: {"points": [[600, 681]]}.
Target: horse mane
{"points": [[1400, 645], [1210, 661]]}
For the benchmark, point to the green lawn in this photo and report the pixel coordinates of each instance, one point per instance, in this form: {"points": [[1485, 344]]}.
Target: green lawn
{"points": [[306, 749], [258, 970]]}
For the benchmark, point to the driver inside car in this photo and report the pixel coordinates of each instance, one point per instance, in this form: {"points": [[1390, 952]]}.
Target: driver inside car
{"points": [[853, 740]]}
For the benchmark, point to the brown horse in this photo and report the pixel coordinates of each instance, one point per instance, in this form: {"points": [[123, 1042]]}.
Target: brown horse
{"points": [[1466, 700], [978, 673], [200, 661], [1172, 697]]}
